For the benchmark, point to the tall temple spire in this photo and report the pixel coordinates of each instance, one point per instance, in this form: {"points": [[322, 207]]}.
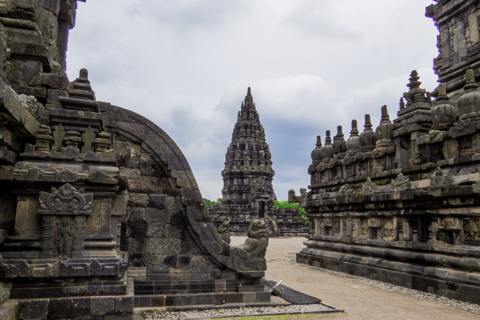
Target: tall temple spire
{"points": [[253, 162]]}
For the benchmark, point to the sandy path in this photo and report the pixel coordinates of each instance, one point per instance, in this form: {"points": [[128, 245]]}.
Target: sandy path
{"points": [[359, 301]]}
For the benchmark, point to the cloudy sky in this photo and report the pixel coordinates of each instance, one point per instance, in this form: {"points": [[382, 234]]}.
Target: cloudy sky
{"points": [[312, 65]]}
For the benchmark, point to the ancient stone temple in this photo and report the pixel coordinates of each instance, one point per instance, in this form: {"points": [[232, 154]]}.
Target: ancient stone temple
{"points": [[99, 209], [400, 204], [247, 180]]}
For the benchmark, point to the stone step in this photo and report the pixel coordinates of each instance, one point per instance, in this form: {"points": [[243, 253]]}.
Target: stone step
{"points": [[183, 287], [198, 299]]}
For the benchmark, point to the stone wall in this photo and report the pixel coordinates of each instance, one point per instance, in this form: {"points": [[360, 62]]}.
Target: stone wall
{"points": [[401, 204], [100, 211]]}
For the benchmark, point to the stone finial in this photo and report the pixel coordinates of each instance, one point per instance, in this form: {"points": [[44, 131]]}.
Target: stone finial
{"points": [[327, 149], [470, 83], [384, 130], [442, 92], [444, 114], [317, 152], [354, 131], [368, 138], [328, 139], [402, 103], [385, 117], [339, 143], [414, 83], [353, 143], [368, 123], [83, 74], [319, 141], [469, 103]]}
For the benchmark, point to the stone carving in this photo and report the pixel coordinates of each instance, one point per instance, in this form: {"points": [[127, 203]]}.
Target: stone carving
{"points": [[438, 230], [251, 255], [388, 230], [472, 230], [401, 183], [65, 201], [224, 231], [369, 187], [374, 222], [63, 236], [346, 190], [438, 179]]}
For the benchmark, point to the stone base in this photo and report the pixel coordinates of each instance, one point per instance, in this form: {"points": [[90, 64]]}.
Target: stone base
{"points": [[105, 307], [199, 299], [407, 275]]}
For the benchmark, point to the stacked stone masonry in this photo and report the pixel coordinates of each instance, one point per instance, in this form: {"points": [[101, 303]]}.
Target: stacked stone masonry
{"points": [[401, 204], [247, 181], [99, 209]]}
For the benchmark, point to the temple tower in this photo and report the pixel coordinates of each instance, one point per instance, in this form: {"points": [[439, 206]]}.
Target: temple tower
{"points": [[248, 173]]}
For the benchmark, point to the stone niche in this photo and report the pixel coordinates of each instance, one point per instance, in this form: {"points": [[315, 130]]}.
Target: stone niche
{"points": [[409, 215], [89, 191]]}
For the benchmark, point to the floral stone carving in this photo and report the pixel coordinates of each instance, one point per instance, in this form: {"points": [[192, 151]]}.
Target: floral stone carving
{"points": [[369, 187]]}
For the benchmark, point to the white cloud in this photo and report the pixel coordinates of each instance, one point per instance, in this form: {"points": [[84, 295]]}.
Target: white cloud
{"points": [[312, 65]]}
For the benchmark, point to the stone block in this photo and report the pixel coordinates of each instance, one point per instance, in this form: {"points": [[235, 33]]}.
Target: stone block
{"points": [[158, 300], [74, 307], [149, 185], [129, 173], [139, 199], [53, 96], [124, 304], [157, 201], [102, 306], [55, 81], [34, 309]]}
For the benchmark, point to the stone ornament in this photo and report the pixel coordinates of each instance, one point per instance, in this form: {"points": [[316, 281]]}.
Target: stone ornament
{"points": [[369, 187], [346, 190], [66, 200], [389, 230], [401, 183], [374, 222], [446, 224], [472, 230], [438, 178]]}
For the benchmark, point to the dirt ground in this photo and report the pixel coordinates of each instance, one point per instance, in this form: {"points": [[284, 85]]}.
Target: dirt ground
{"points": [[359, 301]]}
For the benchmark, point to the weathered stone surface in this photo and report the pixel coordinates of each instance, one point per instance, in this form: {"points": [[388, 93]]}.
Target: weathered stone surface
{"points": [[139, 199], [88, 189], [247, 177], [406, 211]]}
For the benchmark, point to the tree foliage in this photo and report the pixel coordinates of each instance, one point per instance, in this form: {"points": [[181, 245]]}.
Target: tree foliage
{"points": [[211, 203], [288, 205]]}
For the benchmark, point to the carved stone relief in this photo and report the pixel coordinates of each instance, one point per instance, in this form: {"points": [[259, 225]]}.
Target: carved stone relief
{"points": [[401, 183], [64, 212], [369, 187]]}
